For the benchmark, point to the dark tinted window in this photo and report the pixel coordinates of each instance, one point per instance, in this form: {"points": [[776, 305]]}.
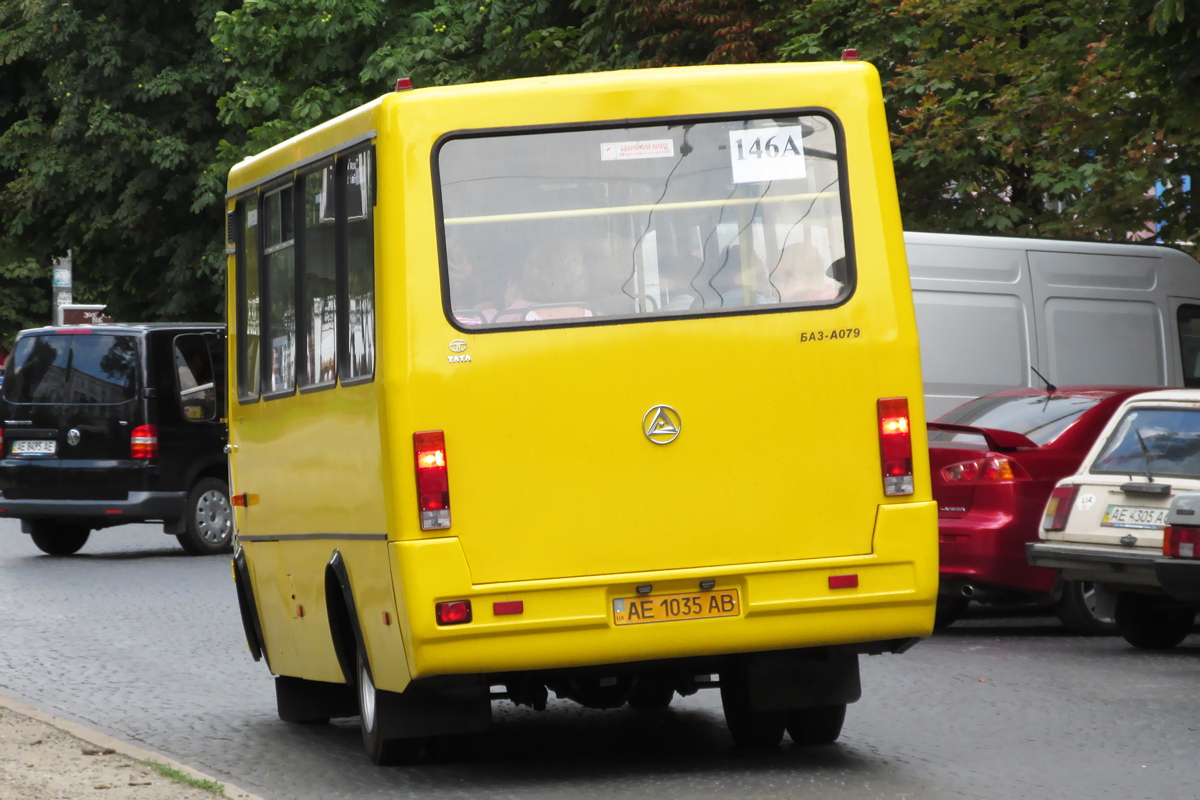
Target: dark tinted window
{"points": [[78, 368], [1039, 417], [1189, 344], [1172, 444]]}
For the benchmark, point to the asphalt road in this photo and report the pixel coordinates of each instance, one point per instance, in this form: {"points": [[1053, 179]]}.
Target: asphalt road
{"points": [[136, 639]]}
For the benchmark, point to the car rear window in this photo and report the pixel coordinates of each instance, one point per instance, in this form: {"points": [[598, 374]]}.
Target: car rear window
{"points": [[624, 223], [1040, 418], [1171, 437], [73, 368]]}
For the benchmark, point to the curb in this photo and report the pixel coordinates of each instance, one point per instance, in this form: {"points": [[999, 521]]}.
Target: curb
{"points": [[124, 748]]}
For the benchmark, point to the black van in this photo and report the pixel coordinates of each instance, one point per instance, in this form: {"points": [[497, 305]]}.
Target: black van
{"points": [[113, 424]]}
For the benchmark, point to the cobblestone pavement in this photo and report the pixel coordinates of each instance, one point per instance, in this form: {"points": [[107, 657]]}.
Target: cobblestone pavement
{"points": [[136, 639]]}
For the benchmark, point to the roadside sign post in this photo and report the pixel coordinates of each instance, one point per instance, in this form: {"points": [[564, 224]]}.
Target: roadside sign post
{"points": [[62, 286]]}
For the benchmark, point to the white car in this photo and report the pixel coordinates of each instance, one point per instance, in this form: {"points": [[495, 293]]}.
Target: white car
{"points": [[1105, 523]]}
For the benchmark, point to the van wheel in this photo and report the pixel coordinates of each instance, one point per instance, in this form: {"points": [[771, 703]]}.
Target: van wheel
{"points": [[1150, 623], [751, 729], [816, 725], [59, 538], [1077, 610], [208, 519], [384, 752]]}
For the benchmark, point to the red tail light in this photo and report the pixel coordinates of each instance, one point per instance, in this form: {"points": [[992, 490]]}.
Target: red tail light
{"points": [[895, 446], [1059, 508], [1181, 542], [455, 612], [988, 470], [433, 480], [143, 442]]}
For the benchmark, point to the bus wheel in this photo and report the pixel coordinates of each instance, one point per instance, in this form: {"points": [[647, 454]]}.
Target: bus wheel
{"points": [[208, 519], [816, 725], [384, 752], [751, 729], [59, 538]]}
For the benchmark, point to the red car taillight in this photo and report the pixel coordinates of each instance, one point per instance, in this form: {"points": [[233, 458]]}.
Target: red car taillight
{"points": [[455, 612], [1059, 508], [895, 446], [1181, 542], [143, 442], [996, 469], [433, 480]]}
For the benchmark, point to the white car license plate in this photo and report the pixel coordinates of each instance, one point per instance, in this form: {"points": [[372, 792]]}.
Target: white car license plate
{"points": [[34, 447], [1134, 517]]}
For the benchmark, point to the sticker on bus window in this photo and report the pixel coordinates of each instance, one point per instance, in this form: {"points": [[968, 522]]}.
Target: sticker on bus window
{"points": [[650, 148], [759, 155], [252, 218]]}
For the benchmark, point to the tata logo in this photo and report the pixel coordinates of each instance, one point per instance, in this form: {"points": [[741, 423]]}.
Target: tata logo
{"points": [[661, 424], [458, 346]]}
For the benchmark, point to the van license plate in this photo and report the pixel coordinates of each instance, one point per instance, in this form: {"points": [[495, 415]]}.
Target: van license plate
{"points": [[34, 447], [1133, 517], [672, 607]]}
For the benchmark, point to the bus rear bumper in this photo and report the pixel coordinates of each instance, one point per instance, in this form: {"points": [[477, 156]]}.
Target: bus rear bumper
{"points": [[570, 623]]}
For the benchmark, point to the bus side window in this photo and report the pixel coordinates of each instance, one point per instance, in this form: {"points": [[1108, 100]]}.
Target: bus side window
{"points": [[318, 277], [249, 293], [279, 259], [193, 365], [357, 322]]}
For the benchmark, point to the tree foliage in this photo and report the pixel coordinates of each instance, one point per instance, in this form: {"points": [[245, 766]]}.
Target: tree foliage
{"points": [[107, 117], [119, 120]]}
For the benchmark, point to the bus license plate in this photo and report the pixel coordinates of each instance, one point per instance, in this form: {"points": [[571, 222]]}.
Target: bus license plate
{"points": [[672, 607], [34, 447], [1134, 517]]}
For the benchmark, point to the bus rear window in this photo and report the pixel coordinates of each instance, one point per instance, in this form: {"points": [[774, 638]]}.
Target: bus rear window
{"points": [[73, 368], [561, 227]]}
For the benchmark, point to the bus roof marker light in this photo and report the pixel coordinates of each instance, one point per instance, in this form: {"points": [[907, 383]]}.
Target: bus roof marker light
{"points": [[404, 85], [433, 480], [850, 54]]}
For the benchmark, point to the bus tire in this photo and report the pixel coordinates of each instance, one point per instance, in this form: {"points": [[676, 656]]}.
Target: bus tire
{"points": [[59, 538], [207, 519], [813, 726], [750, 728], [383, 752]]}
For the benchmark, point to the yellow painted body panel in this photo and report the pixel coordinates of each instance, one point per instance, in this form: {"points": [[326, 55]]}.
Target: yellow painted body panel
{"points": [[557, 498]]}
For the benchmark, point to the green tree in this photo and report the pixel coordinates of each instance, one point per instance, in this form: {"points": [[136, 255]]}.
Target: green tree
{"points": [[107, 121]]}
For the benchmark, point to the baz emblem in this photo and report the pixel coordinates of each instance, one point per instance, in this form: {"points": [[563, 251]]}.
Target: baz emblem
{"points": [[661, 424], [459, 347]]}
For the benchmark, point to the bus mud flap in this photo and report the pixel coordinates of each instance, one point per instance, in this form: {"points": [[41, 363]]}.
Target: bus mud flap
{"points": [[425, 709], [248, 608], [806, 678]]}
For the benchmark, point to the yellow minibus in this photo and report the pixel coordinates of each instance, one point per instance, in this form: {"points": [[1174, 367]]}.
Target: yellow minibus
{"points": [[605, 385]]}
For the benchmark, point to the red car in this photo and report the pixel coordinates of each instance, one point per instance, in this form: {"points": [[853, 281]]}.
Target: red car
{"points": [[994, 462]]}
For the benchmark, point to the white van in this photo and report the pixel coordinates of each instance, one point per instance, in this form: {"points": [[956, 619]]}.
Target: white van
{"points": [[990, 307]]}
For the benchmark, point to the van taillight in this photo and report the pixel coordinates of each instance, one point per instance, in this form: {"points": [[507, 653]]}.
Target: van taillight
{"points": [[1059, 508], [143, 442], [433, 480], [1181, 542], [895, 446]]}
